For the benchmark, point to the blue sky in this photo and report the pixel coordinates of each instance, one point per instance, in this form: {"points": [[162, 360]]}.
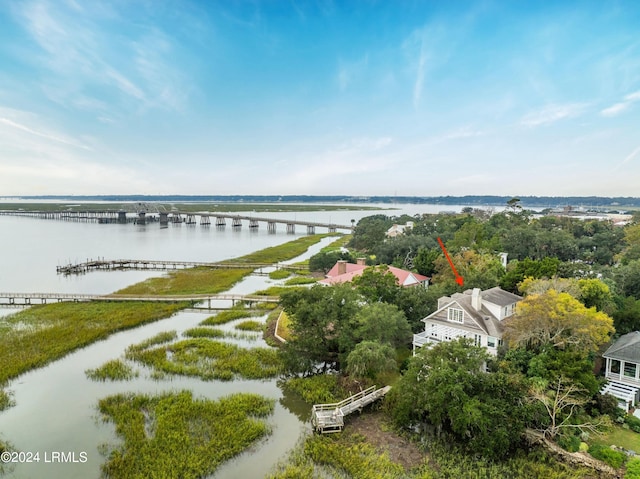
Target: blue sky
{"points": [[291, 97]]}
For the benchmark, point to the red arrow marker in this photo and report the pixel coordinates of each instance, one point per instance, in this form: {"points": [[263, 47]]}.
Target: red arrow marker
{"points": [[459, 278]]}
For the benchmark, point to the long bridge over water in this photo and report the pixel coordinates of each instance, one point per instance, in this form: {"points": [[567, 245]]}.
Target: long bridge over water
{"points": [[177, 217], [206, 300]]}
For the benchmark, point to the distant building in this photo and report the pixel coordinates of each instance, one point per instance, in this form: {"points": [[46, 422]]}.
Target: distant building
{"points": [[344, 272], [474, 314], [398, 230]]}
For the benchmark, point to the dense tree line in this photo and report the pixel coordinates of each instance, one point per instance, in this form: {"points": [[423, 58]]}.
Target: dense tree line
{"points": [[581, 286]]}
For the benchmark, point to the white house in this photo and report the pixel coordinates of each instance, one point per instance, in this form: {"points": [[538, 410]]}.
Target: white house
{"points": [[622, 370], [398, 230], [473, 314]]}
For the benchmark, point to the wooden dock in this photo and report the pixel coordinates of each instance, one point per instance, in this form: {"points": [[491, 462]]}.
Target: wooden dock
{"points": [[153, 265], [327, 418], [206, 301]]}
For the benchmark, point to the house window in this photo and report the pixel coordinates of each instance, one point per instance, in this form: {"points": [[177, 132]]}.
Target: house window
{"points": [[456, 315], [630, 370], [477, 339], [491, 342], [615, 366]]}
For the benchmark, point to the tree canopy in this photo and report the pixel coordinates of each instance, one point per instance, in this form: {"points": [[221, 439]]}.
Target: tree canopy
{"points": [[557, 320]]}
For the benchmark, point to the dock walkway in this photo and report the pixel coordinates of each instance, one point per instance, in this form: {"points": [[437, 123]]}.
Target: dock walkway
{"points": [[327, 418], [206, 300], [141, 264]]}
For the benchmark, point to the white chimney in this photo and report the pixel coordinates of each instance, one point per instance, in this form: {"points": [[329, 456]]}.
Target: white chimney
{"points": [[476, 299], [361, 261], [503, 259]]}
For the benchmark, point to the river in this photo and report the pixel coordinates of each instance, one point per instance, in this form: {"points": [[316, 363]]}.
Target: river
{"points": [[56, 406]]}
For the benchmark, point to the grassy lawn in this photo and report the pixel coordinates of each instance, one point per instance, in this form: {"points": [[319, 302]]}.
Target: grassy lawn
{"points": [[283, 327], [620, 436]]}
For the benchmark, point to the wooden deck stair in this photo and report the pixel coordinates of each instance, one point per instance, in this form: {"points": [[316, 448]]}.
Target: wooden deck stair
{"points": [[328, 418]]}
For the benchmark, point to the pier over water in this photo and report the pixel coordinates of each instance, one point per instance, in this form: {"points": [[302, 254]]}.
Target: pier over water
{"points": [[178, 218]]}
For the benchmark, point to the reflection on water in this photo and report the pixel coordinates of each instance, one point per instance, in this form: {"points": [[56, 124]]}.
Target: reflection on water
{"points": [[56, 405]]}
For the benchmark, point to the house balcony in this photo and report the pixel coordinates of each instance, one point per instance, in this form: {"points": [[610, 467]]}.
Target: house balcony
{"points": [[424, 339], [622, 378]]}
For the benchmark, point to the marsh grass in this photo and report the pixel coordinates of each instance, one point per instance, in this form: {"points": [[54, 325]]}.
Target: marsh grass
{"points": [[321, 388], [250, 326], [49, 332], [200, 280], [279, 274], [224, 317], [299, 280], [114, 370], [204, 332], [208, 332], [282, 252], [6, 401], [275, 290], [342, 456], [160, 338], [209, 359], [174, 435], [351, 456]]}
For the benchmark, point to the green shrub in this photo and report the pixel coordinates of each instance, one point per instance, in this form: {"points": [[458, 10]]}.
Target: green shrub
{"points": [[321, 388], [633, 422], [605, 454], [569, 443], [633, 469]]}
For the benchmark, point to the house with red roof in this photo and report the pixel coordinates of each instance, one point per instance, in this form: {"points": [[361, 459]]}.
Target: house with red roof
{"points": [[344, 272]]}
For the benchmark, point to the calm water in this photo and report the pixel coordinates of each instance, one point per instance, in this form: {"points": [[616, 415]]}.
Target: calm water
{"points": [[56, 405]]}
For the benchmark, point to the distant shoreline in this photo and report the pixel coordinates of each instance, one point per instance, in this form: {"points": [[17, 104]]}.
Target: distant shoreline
{"points": [[585, 202]]}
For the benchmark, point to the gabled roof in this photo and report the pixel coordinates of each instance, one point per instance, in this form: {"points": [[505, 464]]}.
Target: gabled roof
{"points": [[499, 296], [626, 348], [403, 277], [482, 319]]}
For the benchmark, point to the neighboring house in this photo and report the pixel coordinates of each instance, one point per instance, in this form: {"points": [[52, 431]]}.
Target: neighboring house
{"points": [[473, 314], [622, 370], [397, 230], [344, 272]]}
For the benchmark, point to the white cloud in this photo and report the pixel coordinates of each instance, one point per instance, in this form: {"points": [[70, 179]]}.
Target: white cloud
{"points": [[552, 113], [619, 107], [615, 109], [42, 134], [80, 54]]}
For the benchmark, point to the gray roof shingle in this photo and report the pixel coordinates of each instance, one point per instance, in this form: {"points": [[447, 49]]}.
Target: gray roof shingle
{"points": [[626, 348]]}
